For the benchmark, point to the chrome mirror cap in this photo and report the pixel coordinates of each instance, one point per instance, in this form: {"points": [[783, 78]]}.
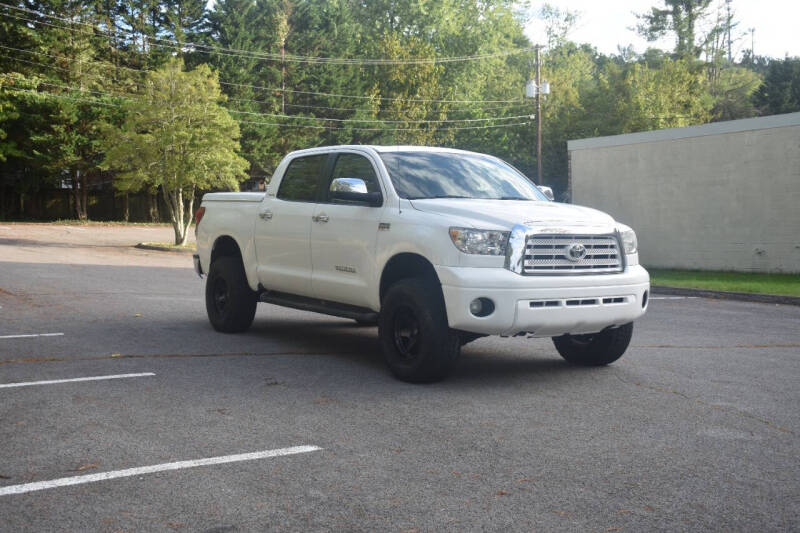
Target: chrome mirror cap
{"points": [[547, 191], [356, 185]]}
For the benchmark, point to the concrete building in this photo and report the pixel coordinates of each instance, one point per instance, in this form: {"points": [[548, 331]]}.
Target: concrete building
{"points": [[721, 196]]}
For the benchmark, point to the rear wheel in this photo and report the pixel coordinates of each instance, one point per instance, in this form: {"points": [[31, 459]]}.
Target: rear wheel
{"points": [[230, 303], [596, 349], [417, 343]]}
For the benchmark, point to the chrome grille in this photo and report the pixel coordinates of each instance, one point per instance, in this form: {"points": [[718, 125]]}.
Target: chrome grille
{"points": [[549, 254]]}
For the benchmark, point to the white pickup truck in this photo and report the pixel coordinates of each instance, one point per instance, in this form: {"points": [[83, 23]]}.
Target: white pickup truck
{"points": [[437, 247]]}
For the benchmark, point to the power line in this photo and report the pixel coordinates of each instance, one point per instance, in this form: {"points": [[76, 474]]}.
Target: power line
{"points": [[60, 96], [311, 126], [291, 58], [364, 97], [432, 121], [133, 97], [278, 89], [449, 128]]}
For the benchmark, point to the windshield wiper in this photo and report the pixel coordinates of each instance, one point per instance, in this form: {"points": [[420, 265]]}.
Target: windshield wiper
{"points": [[513, 198]]}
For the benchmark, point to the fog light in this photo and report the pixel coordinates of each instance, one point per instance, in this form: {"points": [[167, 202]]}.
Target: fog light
{"points": [[644, 300], [476, 306], [481, 307]]}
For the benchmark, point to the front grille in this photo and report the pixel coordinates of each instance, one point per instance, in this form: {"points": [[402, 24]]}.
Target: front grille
{"points": [[591, 254]]}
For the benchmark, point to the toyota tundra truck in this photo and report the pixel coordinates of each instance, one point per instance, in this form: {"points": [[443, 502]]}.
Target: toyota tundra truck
{"points": [[437, 247]]}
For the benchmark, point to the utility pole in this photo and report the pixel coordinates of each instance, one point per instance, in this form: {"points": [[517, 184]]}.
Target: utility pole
{"points": [[753, 44], [537, 88], [728, 24], [538, 117], [283, 77]]}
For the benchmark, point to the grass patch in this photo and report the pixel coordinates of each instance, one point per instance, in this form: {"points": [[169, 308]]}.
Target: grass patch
{"points": [[169, 247], [781, 284], [76, 222]]}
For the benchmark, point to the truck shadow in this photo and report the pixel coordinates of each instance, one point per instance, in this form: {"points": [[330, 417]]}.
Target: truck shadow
{"points": [[345, 340], [342, 339]]}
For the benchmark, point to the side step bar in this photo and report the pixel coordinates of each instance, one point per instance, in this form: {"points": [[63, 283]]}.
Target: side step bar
{"points": [[318, 306]]}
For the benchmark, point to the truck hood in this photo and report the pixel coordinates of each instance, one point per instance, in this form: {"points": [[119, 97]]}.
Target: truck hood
{"points": [[504, 214]]}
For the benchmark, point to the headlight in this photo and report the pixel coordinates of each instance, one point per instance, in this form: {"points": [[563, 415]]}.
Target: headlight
{"points": [[629, 241], [479, 241]]}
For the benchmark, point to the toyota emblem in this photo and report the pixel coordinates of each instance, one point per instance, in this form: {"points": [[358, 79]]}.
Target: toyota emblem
{"points": [[575, 252]]}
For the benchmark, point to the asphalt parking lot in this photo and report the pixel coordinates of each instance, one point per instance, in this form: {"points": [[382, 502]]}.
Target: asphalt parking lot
{"points": [[696, 428]]}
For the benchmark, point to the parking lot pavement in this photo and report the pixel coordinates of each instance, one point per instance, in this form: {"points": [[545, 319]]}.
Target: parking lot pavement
{"points": [[695, 428]]}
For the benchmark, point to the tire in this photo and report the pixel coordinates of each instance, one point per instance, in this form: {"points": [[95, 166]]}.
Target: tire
{"points": [[596, 349], [230, 303], [417, 343]]}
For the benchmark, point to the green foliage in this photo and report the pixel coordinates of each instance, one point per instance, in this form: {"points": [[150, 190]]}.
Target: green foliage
{"points": [[672, 96], [781, 90], [177, 138], [59, 112], [733, 92]]}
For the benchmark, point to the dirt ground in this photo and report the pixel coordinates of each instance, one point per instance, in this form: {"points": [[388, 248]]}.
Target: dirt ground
{"points": [[91, 244]]}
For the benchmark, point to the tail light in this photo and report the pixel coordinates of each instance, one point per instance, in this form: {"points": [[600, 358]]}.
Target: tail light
{"points": [[198, 215]]}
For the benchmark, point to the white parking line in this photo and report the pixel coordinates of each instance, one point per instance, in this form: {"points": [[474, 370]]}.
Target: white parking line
{"points": [[31, 335], [73, 380], [91, 478]]}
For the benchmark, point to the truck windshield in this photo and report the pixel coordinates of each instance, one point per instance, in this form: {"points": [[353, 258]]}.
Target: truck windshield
{"points": [[425, 175]]}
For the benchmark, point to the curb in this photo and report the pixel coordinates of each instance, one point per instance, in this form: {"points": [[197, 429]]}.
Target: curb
{"points": [[143, 246], [724, 295]]}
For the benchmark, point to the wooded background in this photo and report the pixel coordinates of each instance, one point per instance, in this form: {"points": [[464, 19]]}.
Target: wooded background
{"points": [[302, 73]]}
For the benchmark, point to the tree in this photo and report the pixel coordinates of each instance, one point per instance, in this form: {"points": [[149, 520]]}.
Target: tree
{"points": [[780, 92], [672, 96], [679, 17], [179, 138], [733, 93]]}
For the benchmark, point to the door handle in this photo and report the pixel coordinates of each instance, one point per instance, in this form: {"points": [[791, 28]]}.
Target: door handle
{"points": [[320, 218], [265, 215]]}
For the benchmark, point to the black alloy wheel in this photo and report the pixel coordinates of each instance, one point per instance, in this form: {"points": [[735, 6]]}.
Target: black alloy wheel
{"points": [[230, 303], [417, 342]]}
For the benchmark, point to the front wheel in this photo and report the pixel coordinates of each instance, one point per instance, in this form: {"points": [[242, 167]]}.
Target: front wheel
{"points": [[417, 342], [230, 303], [596, 349]]}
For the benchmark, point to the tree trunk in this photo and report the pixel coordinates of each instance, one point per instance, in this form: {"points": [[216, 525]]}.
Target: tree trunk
{"points": [[76, 195], [189, 215], [174, 202], [152, 206], [84, 198], [126, 211]]}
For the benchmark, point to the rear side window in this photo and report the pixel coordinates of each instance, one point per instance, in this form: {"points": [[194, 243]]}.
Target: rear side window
{"points": [[301, 179]]}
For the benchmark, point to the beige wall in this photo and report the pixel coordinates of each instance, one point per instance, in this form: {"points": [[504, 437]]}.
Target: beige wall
{"points": [[723, 196]]}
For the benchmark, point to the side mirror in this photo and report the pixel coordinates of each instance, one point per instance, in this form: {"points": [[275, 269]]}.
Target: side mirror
{"points": [[353, 190], [547, 191]]}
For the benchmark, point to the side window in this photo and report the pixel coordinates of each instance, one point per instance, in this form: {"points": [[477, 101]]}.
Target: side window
{"points": [[355, 166], [299, 183]]}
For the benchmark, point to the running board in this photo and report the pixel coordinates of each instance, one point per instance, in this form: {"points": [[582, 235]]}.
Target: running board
{"points": [[318, 306]]}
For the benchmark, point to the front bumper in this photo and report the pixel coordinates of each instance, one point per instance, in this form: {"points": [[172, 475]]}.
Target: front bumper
{"points": [[543, 306]]}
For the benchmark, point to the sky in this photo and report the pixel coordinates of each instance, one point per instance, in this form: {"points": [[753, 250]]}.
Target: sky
{"points": [[605, 24]]}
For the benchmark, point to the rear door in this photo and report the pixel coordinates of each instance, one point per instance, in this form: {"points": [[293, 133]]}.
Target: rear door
{"points": [[283, 227], [344, 234]]}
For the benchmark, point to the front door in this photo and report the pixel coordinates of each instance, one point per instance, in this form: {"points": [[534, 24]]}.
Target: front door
{"points": [[343, 237]]}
